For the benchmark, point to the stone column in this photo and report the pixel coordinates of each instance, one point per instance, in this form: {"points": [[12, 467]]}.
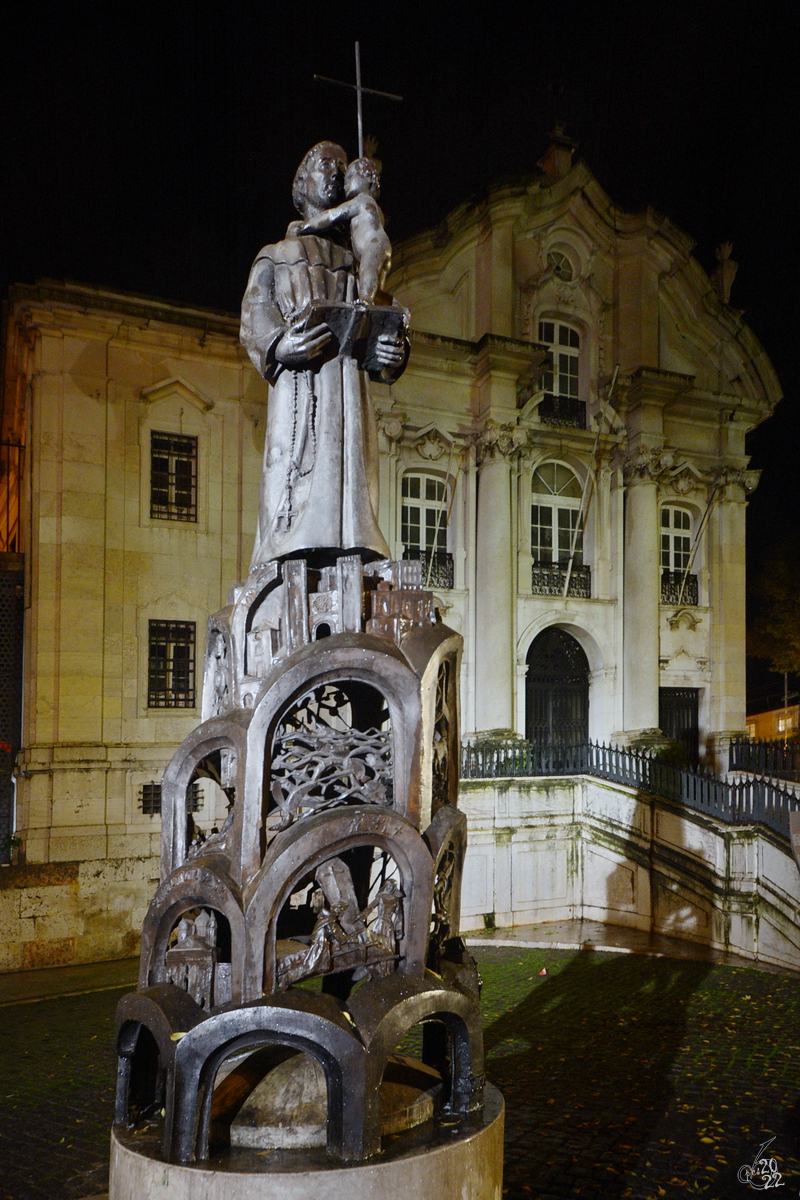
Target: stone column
{"points": [[495, 582], [640, 600], [726, 553]]}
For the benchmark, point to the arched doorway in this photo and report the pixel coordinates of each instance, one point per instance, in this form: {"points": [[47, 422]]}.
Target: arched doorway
{"points": [[557, 691]]}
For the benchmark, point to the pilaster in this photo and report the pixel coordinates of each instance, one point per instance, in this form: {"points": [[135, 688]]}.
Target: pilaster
{"points": [[495, 586]]}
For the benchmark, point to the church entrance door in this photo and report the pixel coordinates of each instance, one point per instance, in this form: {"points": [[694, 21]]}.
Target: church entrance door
{"points": [[557, 691]]}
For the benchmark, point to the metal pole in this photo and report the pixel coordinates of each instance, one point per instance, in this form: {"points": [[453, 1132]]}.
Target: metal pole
{"points": [[585, 491], [358, 95]]}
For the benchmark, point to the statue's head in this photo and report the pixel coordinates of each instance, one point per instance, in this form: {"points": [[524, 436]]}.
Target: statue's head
{"points": [[319, 179], [362, 175]]}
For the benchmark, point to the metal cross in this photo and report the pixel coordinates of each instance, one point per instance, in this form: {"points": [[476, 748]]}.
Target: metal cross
{"points": [[359, 91]]}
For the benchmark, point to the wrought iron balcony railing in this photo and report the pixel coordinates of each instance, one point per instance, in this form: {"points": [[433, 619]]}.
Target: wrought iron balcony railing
{"points": [[563, 411], [548, 579], [749, 801], [678, 588], [437, 566]]}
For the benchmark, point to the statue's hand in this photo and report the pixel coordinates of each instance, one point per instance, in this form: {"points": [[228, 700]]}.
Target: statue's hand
{"points": [[390, 350], [297, 348]]}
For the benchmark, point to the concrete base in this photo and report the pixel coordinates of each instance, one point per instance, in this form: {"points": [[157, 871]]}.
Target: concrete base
{"points": [[463, 1163]]}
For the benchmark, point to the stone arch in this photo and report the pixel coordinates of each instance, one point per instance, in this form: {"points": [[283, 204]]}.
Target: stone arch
{"points": [[588, 637], [246, 614], [357, 657], [302, 848], [310, 1024]]}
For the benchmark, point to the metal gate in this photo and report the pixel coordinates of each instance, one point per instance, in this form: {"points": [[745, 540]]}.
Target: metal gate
{"points": [[678, 719], [557, 691]]}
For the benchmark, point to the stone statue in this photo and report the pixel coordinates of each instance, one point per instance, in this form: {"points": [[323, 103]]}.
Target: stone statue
{"points": [[330, 723], [318, 484]]}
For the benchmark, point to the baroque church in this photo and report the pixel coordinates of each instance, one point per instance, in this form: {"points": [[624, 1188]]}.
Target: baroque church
{"points": [[565, 454]]}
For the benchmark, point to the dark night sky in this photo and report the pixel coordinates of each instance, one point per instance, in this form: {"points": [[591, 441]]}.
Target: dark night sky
{"points": [[151, 148]]}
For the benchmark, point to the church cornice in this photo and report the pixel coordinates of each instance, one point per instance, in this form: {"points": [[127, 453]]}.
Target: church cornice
{"points": [[88, 299], [680, 475], [650, 385]]}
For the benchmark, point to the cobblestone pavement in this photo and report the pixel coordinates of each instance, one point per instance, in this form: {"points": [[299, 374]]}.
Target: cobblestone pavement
{"points": [[623, 1075]]}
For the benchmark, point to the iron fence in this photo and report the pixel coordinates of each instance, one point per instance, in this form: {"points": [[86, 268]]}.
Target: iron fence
{"points": [[775, 758], [679, 588], [563, 411], [755, 800]]}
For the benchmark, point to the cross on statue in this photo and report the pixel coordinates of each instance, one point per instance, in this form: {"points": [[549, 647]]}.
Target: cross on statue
{"points": [[359, 91]]}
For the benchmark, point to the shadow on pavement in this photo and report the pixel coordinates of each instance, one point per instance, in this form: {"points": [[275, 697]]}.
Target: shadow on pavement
{"points": [[584, 1065]]}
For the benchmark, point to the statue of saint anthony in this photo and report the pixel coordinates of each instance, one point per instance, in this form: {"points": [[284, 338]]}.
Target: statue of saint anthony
{"points": [[319, 480]]}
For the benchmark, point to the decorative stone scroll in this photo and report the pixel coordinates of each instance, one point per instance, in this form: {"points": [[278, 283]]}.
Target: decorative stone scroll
{"points": [[494, 439]]}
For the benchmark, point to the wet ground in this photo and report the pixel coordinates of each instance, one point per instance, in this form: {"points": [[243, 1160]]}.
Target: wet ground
{"points": [[629, 1069]]}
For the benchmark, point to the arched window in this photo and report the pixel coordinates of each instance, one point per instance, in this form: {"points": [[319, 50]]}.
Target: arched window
{"points": [[423, 529], [562, 404], [556, 536], [677, 585]]}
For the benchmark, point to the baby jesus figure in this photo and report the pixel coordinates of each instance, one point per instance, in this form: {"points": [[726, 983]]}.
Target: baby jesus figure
{"points": [[371, 246]]}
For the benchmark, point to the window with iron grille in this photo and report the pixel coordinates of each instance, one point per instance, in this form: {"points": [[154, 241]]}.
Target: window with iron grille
{"points": [[562, 404], [173, 476], [424, 516], [423, 529], [555, 506], [678, 586], [555, 533], [676, 538], [150, 798], [170, 664]]}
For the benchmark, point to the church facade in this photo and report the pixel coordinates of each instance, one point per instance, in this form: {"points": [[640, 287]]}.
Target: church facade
{"points": [[568, 446], [565, 454]]}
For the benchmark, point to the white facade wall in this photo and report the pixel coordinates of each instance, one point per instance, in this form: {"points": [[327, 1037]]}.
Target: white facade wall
{"points": [[578, 848]]}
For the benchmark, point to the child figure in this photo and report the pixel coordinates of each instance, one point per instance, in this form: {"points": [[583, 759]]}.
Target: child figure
{"points": [[371, 246]]}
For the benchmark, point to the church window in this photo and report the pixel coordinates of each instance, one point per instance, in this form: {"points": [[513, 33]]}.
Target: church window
{"points": [[560, 265], [556, 535], [173, 476], [561, 381], [556, 499], [676, 538], [423, 531], [677, 585], [170, 664]]}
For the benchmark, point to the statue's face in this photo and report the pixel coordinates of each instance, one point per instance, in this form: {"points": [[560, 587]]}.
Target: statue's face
{"points": [[325, 180]]}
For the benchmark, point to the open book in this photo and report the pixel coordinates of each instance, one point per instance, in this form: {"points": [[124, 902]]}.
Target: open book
{"points": [[356, 328]]}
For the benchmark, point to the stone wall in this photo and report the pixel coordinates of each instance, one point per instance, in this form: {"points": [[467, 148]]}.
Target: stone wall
{"points": [[53, 914], [579, 848]]}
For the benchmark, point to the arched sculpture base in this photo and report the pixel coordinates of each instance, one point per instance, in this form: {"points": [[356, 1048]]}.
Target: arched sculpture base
{"points": [[463, 1165]]}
